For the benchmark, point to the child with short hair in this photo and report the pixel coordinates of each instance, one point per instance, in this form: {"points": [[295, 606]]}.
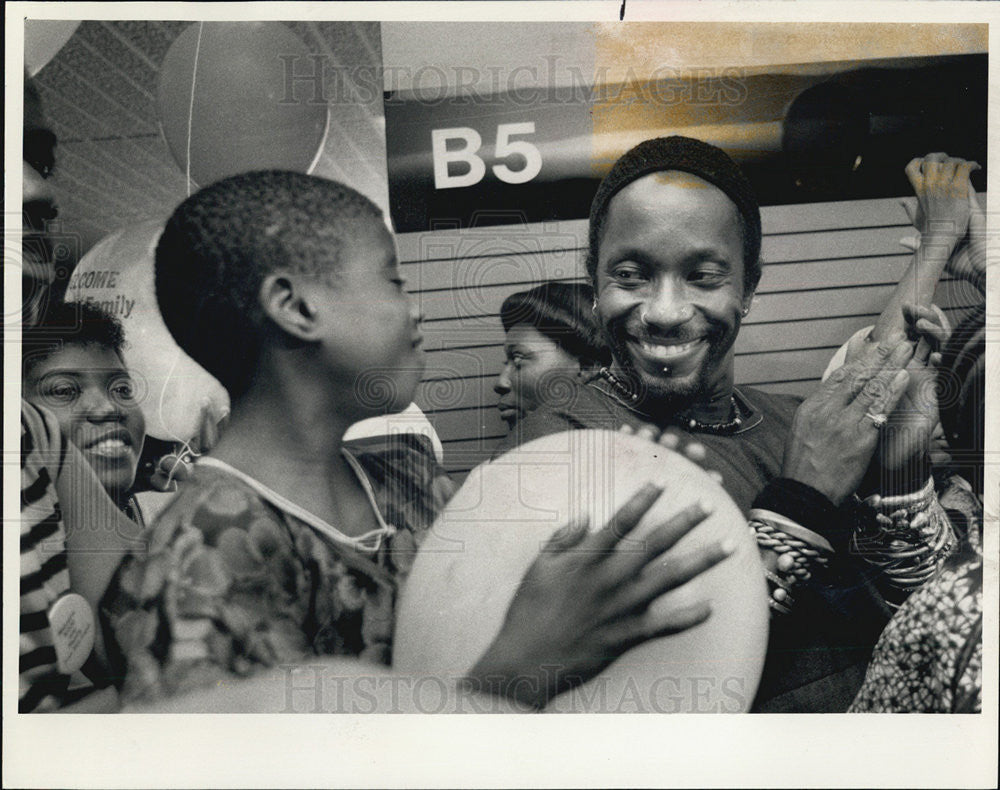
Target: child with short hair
{"points": [[285, 544]]}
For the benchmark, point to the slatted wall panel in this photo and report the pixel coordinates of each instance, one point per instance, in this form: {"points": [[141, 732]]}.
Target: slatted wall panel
{"points": [[829, 269]]}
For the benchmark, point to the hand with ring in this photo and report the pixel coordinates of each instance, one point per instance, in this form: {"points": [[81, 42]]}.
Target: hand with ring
{"points": [[878, 420], [837, 428], [902, 461]]}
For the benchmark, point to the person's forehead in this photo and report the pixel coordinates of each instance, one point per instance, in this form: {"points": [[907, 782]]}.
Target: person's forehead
{"points": [[667, 190], [82, 359], [33, 117], [527, 335], [665, 203], [369, 245]]}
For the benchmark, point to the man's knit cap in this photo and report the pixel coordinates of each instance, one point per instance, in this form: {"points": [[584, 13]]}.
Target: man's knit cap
{"points": [[691, 156]]}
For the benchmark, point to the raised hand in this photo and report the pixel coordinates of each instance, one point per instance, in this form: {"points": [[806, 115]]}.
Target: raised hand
{"points": [[902, 462], [585, 601], [941, 184], [836, 430]]}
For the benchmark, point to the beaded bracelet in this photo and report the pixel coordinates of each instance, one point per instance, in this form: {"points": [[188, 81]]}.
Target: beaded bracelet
{"points": [[781, 599], [800, 551]]}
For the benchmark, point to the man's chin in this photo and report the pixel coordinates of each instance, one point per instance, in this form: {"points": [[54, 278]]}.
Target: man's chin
{"points": [[673, 393], [670, 399]]}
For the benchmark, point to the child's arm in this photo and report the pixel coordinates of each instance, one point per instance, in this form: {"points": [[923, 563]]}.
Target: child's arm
{"points": [[969, 261], [331, 684], [188, 624], [941, 184]]}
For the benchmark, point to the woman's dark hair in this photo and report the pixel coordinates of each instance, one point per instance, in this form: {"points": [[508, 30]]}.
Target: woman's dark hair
{"points": [[66, 324], [563, 312]]}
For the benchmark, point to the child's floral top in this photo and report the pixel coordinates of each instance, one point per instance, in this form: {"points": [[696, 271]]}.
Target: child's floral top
{"points": [[233, 583]]}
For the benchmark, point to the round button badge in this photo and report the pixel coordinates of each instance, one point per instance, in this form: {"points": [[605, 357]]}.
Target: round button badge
{"points": [[72, 622]]}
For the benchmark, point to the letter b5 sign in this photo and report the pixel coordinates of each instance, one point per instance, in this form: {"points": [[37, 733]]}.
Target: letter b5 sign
{"points": [[522, 154], [457, 160]]}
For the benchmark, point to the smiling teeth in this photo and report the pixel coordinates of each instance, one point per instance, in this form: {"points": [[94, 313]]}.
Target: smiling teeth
{"points": [[658, 351], [109, 446]]}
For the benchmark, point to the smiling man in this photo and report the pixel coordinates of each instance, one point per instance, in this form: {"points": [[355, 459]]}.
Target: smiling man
{"points": [[671, 274], [674, 256]]}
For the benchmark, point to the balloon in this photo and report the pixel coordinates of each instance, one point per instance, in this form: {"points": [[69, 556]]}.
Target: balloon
{"points": [[471, 563], [239, 117], [43, 38], [117, 275]]}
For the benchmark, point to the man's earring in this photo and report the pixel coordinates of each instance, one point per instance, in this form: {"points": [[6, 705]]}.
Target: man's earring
{"points": [[593, 306]]}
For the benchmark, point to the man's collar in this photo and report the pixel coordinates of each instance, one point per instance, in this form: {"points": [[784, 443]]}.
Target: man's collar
{"points": [[751, 416]]}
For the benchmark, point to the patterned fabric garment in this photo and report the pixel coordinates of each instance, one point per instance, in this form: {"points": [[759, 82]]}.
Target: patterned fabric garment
{"points": [[44, 573], [929, 659], [233, 582]]}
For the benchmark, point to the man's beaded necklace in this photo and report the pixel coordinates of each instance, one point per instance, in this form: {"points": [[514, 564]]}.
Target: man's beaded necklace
{"points": [[691, 423]]}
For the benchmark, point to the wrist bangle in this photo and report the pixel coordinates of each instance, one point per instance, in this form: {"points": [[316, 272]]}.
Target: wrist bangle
{"points": [[800, 551], [907, 540], [792, 529], [915, 502]]}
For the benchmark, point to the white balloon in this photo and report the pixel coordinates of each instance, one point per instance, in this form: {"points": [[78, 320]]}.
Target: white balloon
{"points": [[470, 565], [117, 275], [43, 38]]}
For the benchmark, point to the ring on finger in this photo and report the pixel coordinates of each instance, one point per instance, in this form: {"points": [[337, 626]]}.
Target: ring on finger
{"points": [[878, 420]]}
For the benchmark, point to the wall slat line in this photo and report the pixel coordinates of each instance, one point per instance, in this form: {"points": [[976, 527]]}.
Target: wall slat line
{"points": [[829, 259], [761, 352], [466, 383], [829, 269], [469, 320], [474, 308]]}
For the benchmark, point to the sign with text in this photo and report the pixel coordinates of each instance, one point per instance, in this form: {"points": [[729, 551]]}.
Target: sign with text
{"points": [[831, 132]]}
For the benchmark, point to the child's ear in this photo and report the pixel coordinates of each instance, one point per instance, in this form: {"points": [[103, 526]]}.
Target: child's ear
{"points": [[286, 301]]}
